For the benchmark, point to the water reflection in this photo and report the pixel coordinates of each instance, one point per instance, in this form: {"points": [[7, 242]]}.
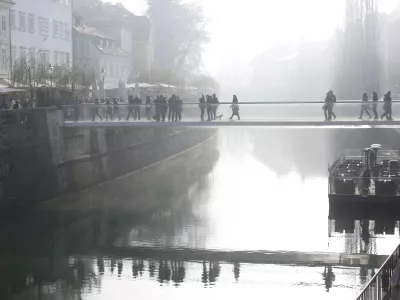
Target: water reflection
{"points": [[249, 207], [81, 277]]}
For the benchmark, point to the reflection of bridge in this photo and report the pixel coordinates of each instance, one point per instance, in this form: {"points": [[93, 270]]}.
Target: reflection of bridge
{"points": [[275, 114], [251, 257]]}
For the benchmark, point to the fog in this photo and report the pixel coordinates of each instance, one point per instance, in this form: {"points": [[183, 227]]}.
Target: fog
{"points": [[254, 42]]}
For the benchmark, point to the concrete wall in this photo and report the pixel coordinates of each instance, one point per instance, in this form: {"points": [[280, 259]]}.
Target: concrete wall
{"points": [[46, 160]]}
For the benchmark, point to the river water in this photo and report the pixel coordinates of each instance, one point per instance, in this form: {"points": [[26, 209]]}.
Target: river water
{"points": [[244, 214]]}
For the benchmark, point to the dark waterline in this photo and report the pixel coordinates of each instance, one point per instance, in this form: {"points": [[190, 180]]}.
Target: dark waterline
{"points": [[244, 192]]}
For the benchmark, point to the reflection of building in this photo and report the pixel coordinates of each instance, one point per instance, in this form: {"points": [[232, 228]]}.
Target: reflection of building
{"points": [[5, 37], [42, 29]]}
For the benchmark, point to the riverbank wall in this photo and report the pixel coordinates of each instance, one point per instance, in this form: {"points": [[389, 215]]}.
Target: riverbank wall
{"points": [[41, 159]]}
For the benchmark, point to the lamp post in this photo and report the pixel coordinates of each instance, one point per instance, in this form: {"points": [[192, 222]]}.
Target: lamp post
{"points": [[51, 71], [103, 76]]}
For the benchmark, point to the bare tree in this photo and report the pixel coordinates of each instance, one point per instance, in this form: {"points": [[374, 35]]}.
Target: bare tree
{"points": [[358, 59]]}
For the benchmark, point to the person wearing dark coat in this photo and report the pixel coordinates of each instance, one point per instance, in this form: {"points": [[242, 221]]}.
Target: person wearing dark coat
{"points": [[387, 107], [16, 105], [375, 105], [96, 110], [138, 102], [164, 107], [209, 101], [131, 112], [116, 108]]}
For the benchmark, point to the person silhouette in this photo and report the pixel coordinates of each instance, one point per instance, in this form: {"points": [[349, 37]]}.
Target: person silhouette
{"points": [[365, 107], [329, 277], [235, 108]]}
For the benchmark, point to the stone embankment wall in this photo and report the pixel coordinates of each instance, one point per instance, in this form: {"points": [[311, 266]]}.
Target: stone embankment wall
{"points": [[43, 160]]}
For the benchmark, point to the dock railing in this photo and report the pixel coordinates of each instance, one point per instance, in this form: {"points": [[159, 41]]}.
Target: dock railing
{"points": [[379, 287]]}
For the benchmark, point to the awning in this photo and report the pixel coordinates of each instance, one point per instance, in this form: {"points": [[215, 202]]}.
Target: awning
{"points": [[7, 90]]}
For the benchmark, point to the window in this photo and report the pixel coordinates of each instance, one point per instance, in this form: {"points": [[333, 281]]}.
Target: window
{"points": [[22, 17], [31, 23], [14, 53], [67, 32], [32, 54], [22, 52], [62, 30], [12, 19], [3, 23], [44, 27], [55, 29], [4, 64]]}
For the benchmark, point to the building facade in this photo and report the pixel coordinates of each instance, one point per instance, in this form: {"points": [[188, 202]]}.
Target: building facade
{"points": [[42, 29], [133, 34], [5, 35], [94, 51]]}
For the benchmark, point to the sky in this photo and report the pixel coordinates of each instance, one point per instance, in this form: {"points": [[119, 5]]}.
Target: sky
{"points": [[242, 29]]}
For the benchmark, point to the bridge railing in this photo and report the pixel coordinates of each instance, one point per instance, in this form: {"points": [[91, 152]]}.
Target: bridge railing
{"points": [[379, 286], [257, 111]]}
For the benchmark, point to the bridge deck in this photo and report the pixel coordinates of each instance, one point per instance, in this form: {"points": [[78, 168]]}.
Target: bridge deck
{"points": [[243, 123]]}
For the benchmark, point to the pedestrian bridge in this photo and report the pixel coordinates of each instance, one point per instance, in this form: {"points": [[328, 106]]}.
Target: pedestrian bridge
{"points": [[265, 114]]}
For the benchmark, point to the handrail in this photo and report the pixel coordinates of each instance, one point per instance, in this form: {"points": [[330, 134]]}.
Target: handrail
{"points": [[244, 103], [382, 278]]}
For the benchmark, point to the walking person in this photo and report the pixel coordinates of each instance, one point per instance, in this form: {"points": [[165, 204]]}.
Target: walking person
{"points": [[131, 112], [171, 112], [77, 110], [375, 105], [116, 108], [365, 107], [109, 111], [96, 110], [158, 104], [164, 107], [235, 108], [148, 108], [331, 106], [387, 107], [137, 103], [209, 107], [215, 104], [202, 106], [16, 104], [179, 109]]}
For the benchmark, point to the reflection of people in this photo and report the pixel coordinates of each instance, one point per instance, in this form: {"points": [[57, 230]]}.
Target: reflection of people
{"points": [[329, 277], [236, 271], [100, 265], [365, 235]]}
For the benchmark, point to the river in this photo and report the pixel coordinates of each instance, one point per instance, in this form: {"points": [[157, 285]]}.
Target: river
{"points": [[244, 214]]}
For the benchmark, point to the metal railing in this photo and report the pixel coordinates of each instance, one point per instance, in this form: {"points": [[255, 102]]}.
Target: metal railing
{"points": [[379, 287], [248, 111]]}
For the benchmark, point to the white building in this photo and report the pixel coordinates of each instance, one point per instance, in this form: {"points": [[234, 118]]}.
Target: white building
{"points": [[42, 29], [5, 38]]}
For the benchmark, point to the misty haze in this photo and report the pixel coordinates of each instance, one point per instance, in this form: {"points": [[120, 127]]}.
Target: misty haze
{"points": [[193, 149]]}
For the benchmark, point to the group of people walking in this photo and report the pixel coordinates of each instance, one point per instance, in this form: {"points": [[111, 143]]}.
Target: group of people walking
{"points": [[387, 106], [330, 101], [209, 104], [174, 105]]}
